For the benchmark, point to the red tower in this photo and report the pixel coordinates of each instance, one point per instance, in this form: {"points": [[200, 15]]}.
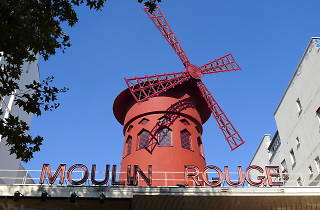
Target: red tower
{"points": [[163, 115], [179, 143]]}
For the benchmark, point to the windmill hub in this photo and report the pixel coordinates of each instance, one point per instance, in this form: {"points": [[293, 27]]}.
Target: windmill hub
{"points": [[194, 71]]}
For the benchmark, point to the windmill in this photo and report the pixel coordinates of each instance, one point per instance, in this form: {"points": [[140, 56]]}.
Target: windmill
{"points": [[144, 88]]}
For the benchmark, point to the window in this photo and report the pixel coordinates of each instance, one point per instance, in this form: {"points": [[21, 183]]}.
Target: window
{"points": [[317, 162], [310, 170], [293, 158], [283, 165], [143, 139], [299, 181], [298, 142], [299, 106], [274, 145], [143, 121], [129, 128], [284, 170], [198, 129], [185, 122], [164, 119], [200, 146], [127, 149], [165, 137], [318, 114], [185, 139]]}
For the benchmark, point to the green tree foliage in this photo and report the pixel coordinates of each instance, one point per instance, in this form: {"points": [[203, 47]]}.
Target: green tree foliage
{"points": [[31, 28]]}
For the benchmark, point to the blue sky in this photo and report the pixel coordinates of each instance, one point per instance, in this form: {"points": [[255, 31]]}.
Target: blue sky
{"points": [[267, 39]]}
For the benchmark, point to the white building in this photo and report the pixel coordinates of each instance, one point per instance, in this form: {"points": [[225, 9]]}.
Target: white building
{"points": [[9, 164], [295, 147]]}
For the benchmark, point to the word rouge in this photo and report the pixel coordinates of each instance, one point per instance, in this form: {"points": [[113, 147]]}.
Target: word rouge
{"points": [[191, 173]]}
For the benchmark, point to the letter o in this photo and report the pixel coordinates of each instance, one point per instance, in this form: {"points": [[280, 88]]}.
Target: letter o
{"points": [[205, 178], [84, 178]]}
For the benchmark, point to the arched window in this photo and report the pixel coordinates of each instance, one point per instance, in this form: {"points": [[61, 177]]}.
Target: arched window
{"points": [[164, 137], [143, 137], [185, 122], [128, 146], [200, 146], [185, 139], [129, 128], [143, 121]]}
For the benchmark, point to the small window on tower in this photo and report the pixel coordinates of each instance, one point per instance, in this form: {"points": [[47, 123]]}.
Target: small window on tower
{"points": [[185, 139], [299, 106], [128, 146], [165, 139], [129, 128], [185, 122], [143, 138], [200, 146], [143, 121], [164, 119], [198, 129]]}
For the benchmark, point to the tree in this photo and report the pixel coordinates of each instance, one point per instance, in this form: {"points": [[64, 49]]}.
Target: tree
{"points": [[31, 28]]}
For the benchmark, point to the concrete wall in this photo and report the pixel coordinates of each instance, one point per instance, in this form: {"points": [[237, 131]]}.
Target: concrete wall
{"points": [[299, 131], [30, 73]]}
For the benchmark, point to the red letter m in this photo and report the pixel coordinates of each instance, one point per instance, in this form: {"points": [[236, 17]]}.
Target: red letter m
{"points": [[46, 169]]}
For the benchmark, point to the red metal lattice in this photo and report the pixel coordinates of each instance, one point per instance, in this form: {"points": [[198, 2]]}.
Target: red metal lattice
{"points": [[163, 26], [143, 88], [230, 133], [171, 115], [222, 64]]}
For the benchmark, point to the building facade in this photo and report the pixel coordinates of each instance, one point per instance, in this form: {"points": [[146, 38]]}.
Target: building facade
{"points": [[295, 146], [9, 164]]}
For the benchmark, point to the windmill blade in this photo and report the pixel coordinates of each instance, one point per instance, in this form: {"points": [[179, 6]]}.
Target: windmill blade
{"points": [[146, 87], [161, 23], [232, 136], [222, 64]]}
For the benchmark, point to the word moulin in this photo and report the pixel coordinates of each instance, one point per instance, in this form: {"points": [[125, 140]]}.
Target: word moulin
{"points": [[192, 176]]}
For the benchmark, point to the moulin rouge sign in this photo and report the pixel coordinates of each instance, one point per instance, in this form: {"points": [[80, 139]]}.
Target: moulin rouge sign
{"points": [[269, 176]]}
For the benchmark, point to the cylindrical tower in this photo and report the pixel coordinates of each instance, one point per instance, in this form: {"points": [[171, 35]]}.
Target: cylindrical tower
{"points": [[175, 118]]}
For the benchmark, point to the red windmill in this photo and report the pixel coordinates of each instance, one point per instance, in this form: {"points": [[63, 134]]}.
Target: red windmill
{"points": [[143, 88]]}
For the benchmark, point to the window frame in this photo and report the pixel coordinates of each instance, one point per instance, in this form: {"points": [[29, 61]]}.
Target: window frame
{"points": [[126, 146], [200, 146], [299, 181], [298, 142], [318, 114], [317, 163], [310, 170], [190, 142], [171, 139], [143, 121], [293, 158], [299, 106], [138, 142]]}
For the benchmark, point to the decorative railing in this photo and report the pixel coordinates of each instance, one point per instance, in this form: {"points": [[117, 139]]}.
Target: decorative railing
{"points": [[159, 178]]}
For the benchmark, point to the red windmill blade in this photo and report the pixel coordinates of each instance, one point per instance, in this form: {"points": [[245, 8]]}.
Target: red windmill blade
{"points": [[161, 23], [143, 88], [230, 133]]}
